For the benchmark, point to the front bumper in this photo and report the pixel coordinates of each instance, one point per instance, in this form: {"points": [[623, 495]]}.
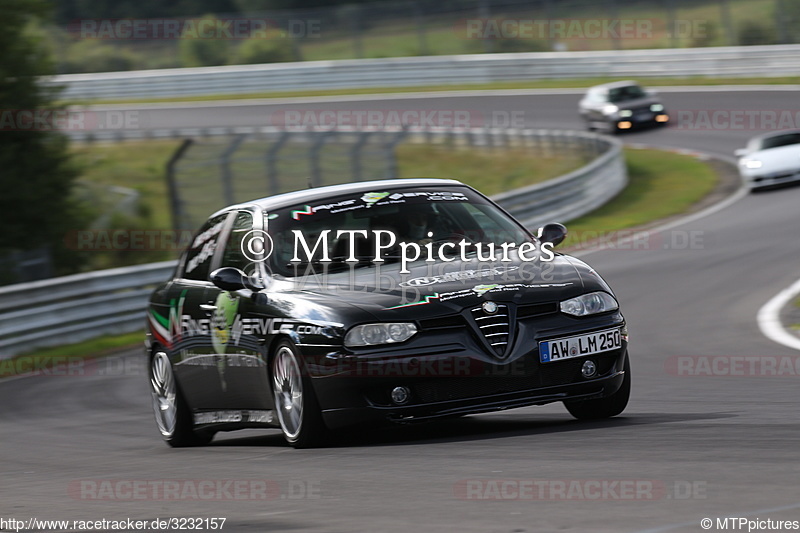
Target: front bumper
{"points": [[586, 390], [456, 376], [641, 120], [757, 181]]}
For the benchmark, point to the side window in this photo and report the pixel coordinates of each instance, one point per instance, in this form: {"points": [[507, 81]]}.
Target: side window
{"points": [[201, 249], [233, 256]]}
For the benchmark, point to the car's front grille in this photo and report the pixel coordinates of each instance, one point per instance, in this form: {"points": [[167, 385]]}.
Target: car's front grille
{"points": [[475, 387], [443, 322], [494, 326], [529, 310], [639, 110]]}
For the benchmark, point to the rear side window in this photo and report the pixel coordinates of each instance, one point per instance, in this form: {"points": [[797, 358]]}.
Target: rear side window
{"points": [[201, 250], [233, 255]]}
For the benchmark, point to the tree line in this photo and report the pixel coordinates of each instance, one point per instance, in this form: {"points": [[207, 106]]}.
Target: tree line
{"points": [[67, 11]]}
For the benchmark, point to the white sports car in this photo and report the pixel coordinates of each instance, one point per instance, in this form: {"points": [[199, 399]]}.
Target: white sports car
{"points": [[771, 159]]}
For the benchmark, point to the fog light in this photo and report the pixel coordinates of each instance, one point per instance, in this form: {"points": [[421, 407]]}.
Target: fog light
{"points": [[662, 118], [588, 369], [624, 125], [400, 395]]}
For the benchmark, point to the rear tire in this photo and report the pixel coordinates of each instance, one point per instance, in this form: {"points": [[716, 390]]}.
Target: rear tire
{"points": [[604, 407], [295, 402], [173, 417]]}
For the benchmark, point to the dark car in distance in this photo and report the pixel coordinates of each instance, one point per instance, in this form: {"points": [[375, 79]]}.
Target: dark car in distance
{"points": [[620, 106], [307, 312]]}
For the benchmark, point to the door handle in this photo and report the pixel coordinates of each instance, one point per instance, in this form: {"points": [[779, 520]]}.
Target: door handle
{"points": [[208, 307]]}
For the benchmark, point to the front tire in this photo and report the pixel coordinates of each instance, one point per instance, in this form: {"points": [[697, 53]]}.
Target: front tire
{"points": [[295, 402], [604, 407], [173, 417]]}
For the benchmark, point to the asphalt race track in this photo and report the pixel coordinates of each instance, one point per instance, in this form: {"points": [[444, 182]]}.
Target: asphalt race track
{"points": [[692, 446]]}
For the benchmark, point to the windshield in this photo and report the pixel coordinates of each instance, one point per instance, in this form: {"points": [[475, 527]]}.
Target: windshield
{"points": [[624, 94], [780, 140], [414, 215]]}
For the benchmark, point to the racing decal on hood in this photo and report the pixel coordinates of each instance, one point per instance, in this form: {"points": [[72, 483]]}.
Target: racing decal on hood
{"points": [[425, 300], [480, 290], [461, 275]]}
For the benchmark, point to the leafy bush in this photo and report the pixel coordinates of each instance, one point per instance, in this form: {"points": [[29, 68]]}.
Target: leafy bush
{"points": [[274, 48], [198, 51], [507, 45], [89, 55], [752, 32]]}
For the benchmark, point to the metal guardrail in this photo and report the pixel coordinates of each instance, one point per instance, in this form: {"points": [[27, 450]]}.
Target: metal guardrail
{"points": [[75, 308], [82, 306], [728, 61], [570, 196]]}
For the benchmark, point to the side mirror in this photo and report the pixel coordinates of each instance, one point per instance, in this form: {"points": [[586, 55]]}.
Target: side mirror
{"points": [[553, 233], [228, 278], [741, 152], [233, 279]]}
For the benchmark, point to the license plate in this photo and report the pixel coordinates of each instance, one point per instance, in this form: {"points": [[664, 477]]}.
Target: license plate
{"points": [[579, 345]]}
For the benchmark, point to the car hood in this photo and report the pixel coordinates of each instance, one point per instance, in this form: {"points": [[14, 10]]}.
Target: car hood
{"points": [[446, 288], [777, 159]]}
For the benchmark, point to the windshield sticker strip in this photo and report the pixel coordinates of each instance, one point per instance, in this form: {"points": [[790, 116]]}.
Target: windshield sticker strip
{"points": [[297, 212]]}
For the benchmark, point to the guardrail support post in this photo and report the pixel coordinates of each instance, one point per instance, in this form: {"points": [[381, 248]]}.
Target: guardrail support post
{"points": [[355, 154], [272, 162], [391, 156], [225, 164], [175, 204], [313, 156]]}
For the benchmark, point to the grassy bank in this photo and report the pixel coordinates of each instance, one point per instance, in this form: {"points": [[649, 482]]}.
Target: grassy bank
{"points": [[662, 184]]}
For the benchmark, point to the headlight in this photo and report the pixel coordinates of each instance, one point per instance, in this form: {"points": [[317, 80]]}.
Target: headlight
{"points": [[589, 304], [656, 108], [626, 113], [751, 163], [380, 333], [610, 109]]}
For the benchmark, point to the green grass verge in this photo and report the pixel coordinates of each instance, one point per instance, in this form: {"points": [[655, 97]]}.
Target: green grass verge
{"points": [[491, 171], [509, 85], [137, 165], [662, 184], [68, 358]]}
